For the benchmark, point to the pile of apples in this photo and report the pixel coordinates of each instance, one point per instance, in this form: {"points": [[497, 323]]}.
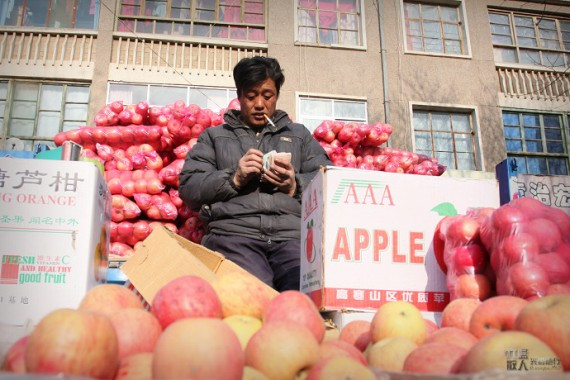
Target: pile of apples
{"points": [[143, 150], [521, 249], [357, 145], [237, 328]]}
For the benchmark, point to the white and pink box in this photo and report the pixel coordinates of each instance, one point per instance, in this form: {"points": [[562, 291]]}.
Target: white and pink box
{"points": [[53, 236], [367, 236]]}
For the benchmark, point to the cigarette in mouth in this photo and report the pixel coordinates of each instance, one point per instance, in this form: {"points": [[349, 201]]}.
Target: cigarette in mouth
{"points": [[268, 119]]}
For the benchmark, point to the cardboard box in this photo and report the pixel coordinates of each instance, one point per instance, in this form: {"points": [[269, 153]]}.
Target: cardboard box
{"points": [[54, 234], [367, 236], [164, 256]]}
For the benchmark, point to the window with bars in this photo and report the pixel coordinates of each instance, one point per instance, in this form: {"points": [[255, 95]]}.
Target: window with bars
{"points": [[157, 95], [537, 141], [74, 14], [447, 136], [35, 112], [530, 39], [314, 110], [435, 28], [229, 19], [330, 22]]}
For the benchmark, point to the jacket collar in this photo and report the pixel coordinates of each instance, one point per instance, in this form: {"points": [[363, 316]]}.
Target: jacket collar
{"points": [[280, 119]]}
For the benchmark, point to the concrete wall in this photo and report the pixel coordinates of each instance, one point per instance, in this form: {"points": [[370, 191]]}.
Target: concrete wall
{"points": [[326, 70]]}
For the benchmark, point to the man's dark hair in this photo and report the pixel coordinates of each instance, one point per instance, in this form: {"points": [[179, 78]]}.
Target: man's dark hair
{"points": [[254, 70]]}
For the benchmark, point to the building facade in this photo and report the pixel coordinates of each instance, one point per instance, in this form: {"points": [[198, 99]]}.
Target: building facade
{"points": [[467, 81]]}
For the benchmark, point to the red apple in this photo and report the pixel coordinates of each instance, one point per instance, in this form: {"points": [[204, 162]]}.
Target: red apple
{"points": [[435, 358], [453, 335], [564, 252], [356, 333], [137, 331], [495, 314], [330, 348], [280, 349], [548, 319], [471, 286], [73, 342], [557, 269], [431, 327], [469, 259], [186, 297], [15, 357], [521, 247], [546, 233], [463, 230], [458, 313], [198, 348], [562, 220], [532, 208], [109, 298], [505, 220], [294, 306], [528, 279]]}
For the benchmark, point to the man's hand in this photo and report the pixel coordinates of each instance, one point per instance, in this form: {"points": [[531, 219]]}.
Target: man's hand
{"points": [[281, 174], [249, 166]]}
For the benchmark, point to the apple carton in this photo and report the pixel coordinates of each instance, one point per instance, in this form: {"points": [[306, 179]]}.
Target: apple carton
{"points": [[366, 236], [54, 221], [164, 256]]}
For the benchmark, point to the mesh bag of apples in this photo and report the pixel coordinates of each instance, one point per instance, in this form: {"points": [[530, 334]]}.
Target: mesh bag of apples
{"points": [[143, 149], [521, 249], [357, 145]]}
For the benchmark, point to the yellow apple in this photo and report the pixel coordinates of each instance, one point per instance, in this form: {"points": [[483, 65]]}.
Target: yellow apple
{"points": [[242, 294], [511, 351], [340, 367], [548, 318], [135, 367], [244, 326], [250, 373], [390, 354], [398, 318], [331, 334]]}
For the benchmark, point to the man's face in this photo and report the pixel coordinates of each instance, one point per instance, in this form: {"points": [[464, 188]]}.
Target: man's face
{"points": [[257, 101]]}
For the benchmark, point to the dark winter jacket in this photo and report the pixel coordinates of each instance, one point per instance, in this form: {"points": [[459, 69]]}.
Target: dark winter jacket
{"points": [[258, 210]]}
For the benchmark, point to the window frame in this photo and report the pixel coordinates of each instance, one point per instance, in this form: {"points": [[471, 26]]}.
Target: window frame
{"points": [[193, 22], [333, 98], [516, 47], [361, 29], [35, 138], [470, 111], [463, 22], [20, 23], [565, 132], [231, 93]]}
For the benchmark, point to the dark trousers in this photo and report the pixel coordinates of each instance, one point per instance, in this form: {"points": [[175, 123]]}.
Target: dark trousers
{"points": [[276, 263]]}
